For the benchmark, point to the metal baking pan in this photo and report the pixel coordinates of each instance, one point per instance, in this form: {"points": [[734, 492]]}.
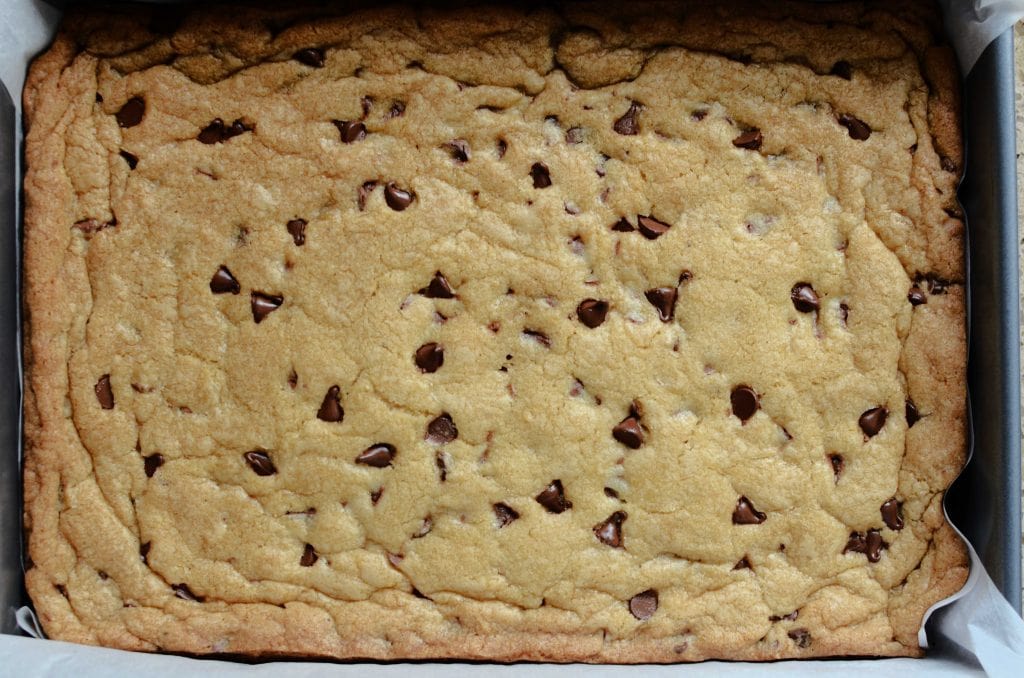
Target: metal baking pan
{"points": [[985, 502]]}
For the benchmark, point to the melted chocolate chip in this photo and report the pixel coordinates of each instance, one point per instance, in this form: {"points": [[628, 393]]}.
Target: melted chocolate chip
{"points": [[750, 140], [842, 69], [743, 564], [397, 110], [916, 296], [844, 313], [397, 198], [297, 229], [786, 617], [459, 149], [505, 514], [553, 498], [442, 430], [429, 357], [651, 228], [745, 402], [913, 416], [223, 282], [185, 593], [311, 56], [144, 551], [263, 305], [870, 544], [104, 394], [592, 312], [746, 514], [152, 463], [350, 130], [442, 466], [261, 464], [502, 147], [610, 493], [805, 299], [309, 556], [439, 288], [936, 285], [375, 495], [129, 158], [540, 175], [837, 465], [801, 637], [663, 299], [131, 113], [574, 135], [857, 128], [629, 123], [379, 455], [217, 132], [610, 530], [623, 226], [891, 514], [330, 409], [948, 164], [629, 432], [538, 336], [644, 605], [363, 193], [872, 421]]}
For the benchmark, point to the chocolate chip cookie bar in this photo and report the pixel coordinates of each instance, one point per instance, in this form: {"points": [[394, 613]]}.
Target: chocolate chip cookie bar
{"points": [[591, 332]]}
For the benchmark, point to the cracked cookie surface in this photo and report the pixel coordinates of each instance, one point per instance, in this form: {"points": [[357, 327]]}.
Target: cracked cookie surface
{"points": [[594, 333]]}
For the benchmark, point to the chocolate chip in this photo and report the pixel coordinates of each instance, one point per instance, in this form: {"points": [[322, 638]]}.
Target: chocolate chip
{"points": [[311, 56], [622, 225], [891, 511], [263, 305], [505, 514], [802, 638], [745, 402], [366, 103], [350, 130], [610, 493], [629, 123], [644, 605], [223, 282], [916, 296], [750, 140], [872, 421], [439, 288], [538, 336], [442, 466], [948, 164], [309, 556], [743, 564], [663, 299], [132, 160], [858, 129], [378, 455], [540, 174], [144, 551], [442, 430], [592, 312], [610, 531], [375, 495], [629, 432], [397, 198], [786, 617], [651, 228], [259, 461], [844, 313], [574, 135], [330, 409], [805, 299], [363, 193], [429, 357], [397, 110], [553, 498], [936, 285], [746, 514], [502, 147], [459, 148], [913, 416], [217, 132], [131, 113], [842, 69], [837, 465], [297, 229], [104, 393], [152, 463], [185, 593], [870, 544]]}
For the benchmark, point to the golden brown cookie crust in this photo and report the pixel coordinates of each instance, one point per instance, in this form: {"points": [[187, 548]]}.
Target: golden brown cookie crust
{"points": [[780, 144]]}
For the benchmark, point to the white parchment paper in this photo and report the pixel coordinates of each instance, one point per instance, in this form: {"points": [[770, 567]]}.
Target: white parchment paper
{"points": [[975, 632]]}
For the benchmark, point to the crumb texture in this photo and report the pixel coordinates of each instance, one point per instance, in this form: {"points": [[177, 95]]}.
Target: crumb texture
{"points": [[609, 333]]}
